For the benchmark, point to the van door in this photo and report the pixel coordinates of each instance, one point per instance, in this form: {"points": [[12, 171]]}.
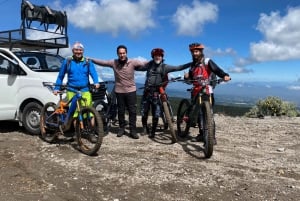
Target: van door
{"points": [[8, 90]]}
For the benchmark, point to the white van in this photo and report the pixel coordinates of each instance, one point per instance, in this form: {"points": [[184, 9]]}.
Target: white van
{"points": [[22, 92]]}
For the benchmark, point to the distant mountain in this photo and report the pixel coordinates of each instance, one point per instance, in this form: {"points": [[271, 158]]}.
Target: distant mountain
{"points": [[238, 93]]}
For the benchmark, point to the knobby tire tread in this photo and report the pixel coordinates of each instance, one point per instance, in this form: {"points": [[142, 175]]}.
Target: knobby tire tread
{"points": [[169, 120], [209, 125], [48, 135], [99, 131]]}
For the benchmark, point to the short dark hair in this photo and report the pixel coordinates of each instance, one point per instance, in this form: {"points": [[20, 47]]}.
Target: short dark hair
{"points": [[121, 47]]}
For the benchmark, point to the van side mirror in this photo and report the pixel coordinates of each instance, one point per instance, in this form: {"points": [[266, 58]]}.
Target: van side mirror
{"points": [[12, 69]]}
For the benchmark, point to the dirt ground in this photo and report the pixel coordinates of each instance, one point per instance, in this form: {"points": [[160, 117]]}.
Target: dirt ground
{"points": [[255, 159]]}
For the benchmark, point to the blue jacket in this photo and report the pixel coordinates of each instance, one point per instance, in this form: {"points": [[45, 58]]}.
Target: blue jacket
{"points": [[78, 74]]}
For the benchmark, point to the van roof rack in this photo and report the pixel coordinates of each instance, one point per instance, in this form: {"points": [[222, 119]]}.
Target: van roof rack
{"points": [[30, 38]]}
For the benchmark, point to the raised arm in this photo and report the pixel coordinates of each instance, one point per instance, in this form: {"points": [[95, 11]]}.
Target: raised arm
{"points": [[218, 71], [104, 63], [141, 65], [169, 68]]}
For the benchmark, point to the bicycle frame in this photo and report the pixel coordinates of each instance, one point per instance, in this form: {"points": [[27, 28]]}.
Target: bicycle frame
{"points": [[197, 102], [65, 118]]}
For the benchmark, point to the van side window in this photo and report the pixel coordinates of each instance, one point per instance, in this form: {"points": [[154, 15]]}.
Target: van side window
{"points": [[53, 62]]}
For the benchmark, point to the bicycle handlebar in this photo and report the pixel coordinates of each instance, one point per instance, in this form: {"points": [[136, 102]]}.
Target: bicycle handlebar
{"points": [[162, 83], [63, 87], [204, 82], [107, 82]]}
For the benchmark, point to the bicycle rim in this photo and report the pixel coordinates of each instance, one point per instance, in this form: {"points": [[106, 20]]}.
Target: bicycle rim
{"points": [[89, 130], [49, 123]]}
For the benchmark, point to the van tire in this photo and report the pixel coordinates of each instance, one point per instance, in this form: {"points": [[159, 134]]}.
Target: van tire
{"points": [[31, 117]]}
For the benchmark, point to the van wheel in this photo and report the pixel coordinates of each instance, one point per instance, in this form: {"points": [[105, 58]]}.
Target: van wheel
{"points": [[31, 117]]}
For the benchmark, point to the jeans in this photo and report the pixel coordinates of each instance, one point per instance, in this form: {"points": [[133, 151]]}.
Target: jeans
{"points": [[153, 102]]}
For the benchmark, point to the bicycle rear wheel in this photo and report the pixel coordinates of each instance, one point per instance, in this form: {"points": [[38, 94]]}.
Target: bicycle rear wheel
{"points": [[169, 120], [49, 122], [208, 124], [183, 121], [89, 130]]}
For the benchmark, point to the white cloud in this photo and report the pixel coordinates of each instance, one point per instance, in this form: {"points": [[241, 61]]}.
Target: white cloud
{"points": [[295, 87], [239, 70], [282, 37], [112, 16], [191, 19], [220, 52]]}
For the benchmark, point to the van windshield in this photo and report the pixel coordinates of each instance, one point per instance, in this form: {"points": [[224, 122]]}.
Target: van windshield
{"points": [[41, 61]]}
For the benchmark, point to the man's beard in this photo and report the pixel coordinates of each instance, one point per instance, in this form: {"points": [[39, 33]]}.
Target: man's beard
{"points": [[197, 59], [157, 61]]}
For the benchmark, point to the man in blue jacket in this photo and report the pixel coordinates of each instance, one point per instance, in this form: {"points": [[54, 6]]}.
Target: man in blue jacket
{"points": [[78, 69]]}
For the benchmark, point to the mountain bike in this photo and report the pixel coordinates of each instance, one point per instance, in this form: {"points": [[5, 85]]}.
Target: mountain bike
{"points": [[199, 110], [166, 109], [56, 119], [106, 104]]}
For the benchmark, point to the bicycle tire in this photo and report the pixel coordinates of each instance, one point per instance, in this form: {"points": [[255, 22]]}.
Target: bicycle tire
{"points": [[163, 116], [48, 118], [183, 121], [208, 129], [86, 132], [169, 120]]}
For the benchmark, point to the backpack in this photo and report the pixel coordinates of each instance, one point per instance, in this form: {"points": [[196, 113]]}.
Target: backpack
{"points": [[155, 76]]}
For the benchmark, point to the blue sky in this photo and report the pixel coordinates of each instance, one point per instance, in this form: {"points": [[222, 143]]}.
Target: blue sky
{"points": [[252, 40]]}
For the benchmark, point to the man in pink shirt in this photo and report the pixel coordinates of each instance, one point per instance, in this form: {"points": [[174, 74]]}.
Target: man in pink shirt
{"points": [[125, 87]]}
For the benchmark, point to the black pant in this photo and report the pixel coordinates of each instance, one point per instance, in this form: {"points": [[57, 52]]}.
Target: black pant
{"points": [[127, 101], [150, 100]]}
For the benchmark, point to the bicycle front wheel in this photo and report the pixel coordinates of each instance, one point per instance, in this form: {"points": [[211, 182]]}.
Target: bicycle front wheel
{"points": [[49, 122], [163, 116], [208, 124], [183, 121], [169, 120], [89, 130]]}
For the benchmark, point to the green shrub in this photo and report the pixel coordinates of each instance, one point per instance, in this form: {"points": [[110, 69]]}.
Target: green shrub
{"points": [[273, 106]]}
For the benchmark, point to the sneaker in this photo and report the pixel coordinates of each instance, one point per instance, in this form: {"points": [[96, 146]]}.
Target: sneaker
{"points": [[134, 135], [121, 132]]}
